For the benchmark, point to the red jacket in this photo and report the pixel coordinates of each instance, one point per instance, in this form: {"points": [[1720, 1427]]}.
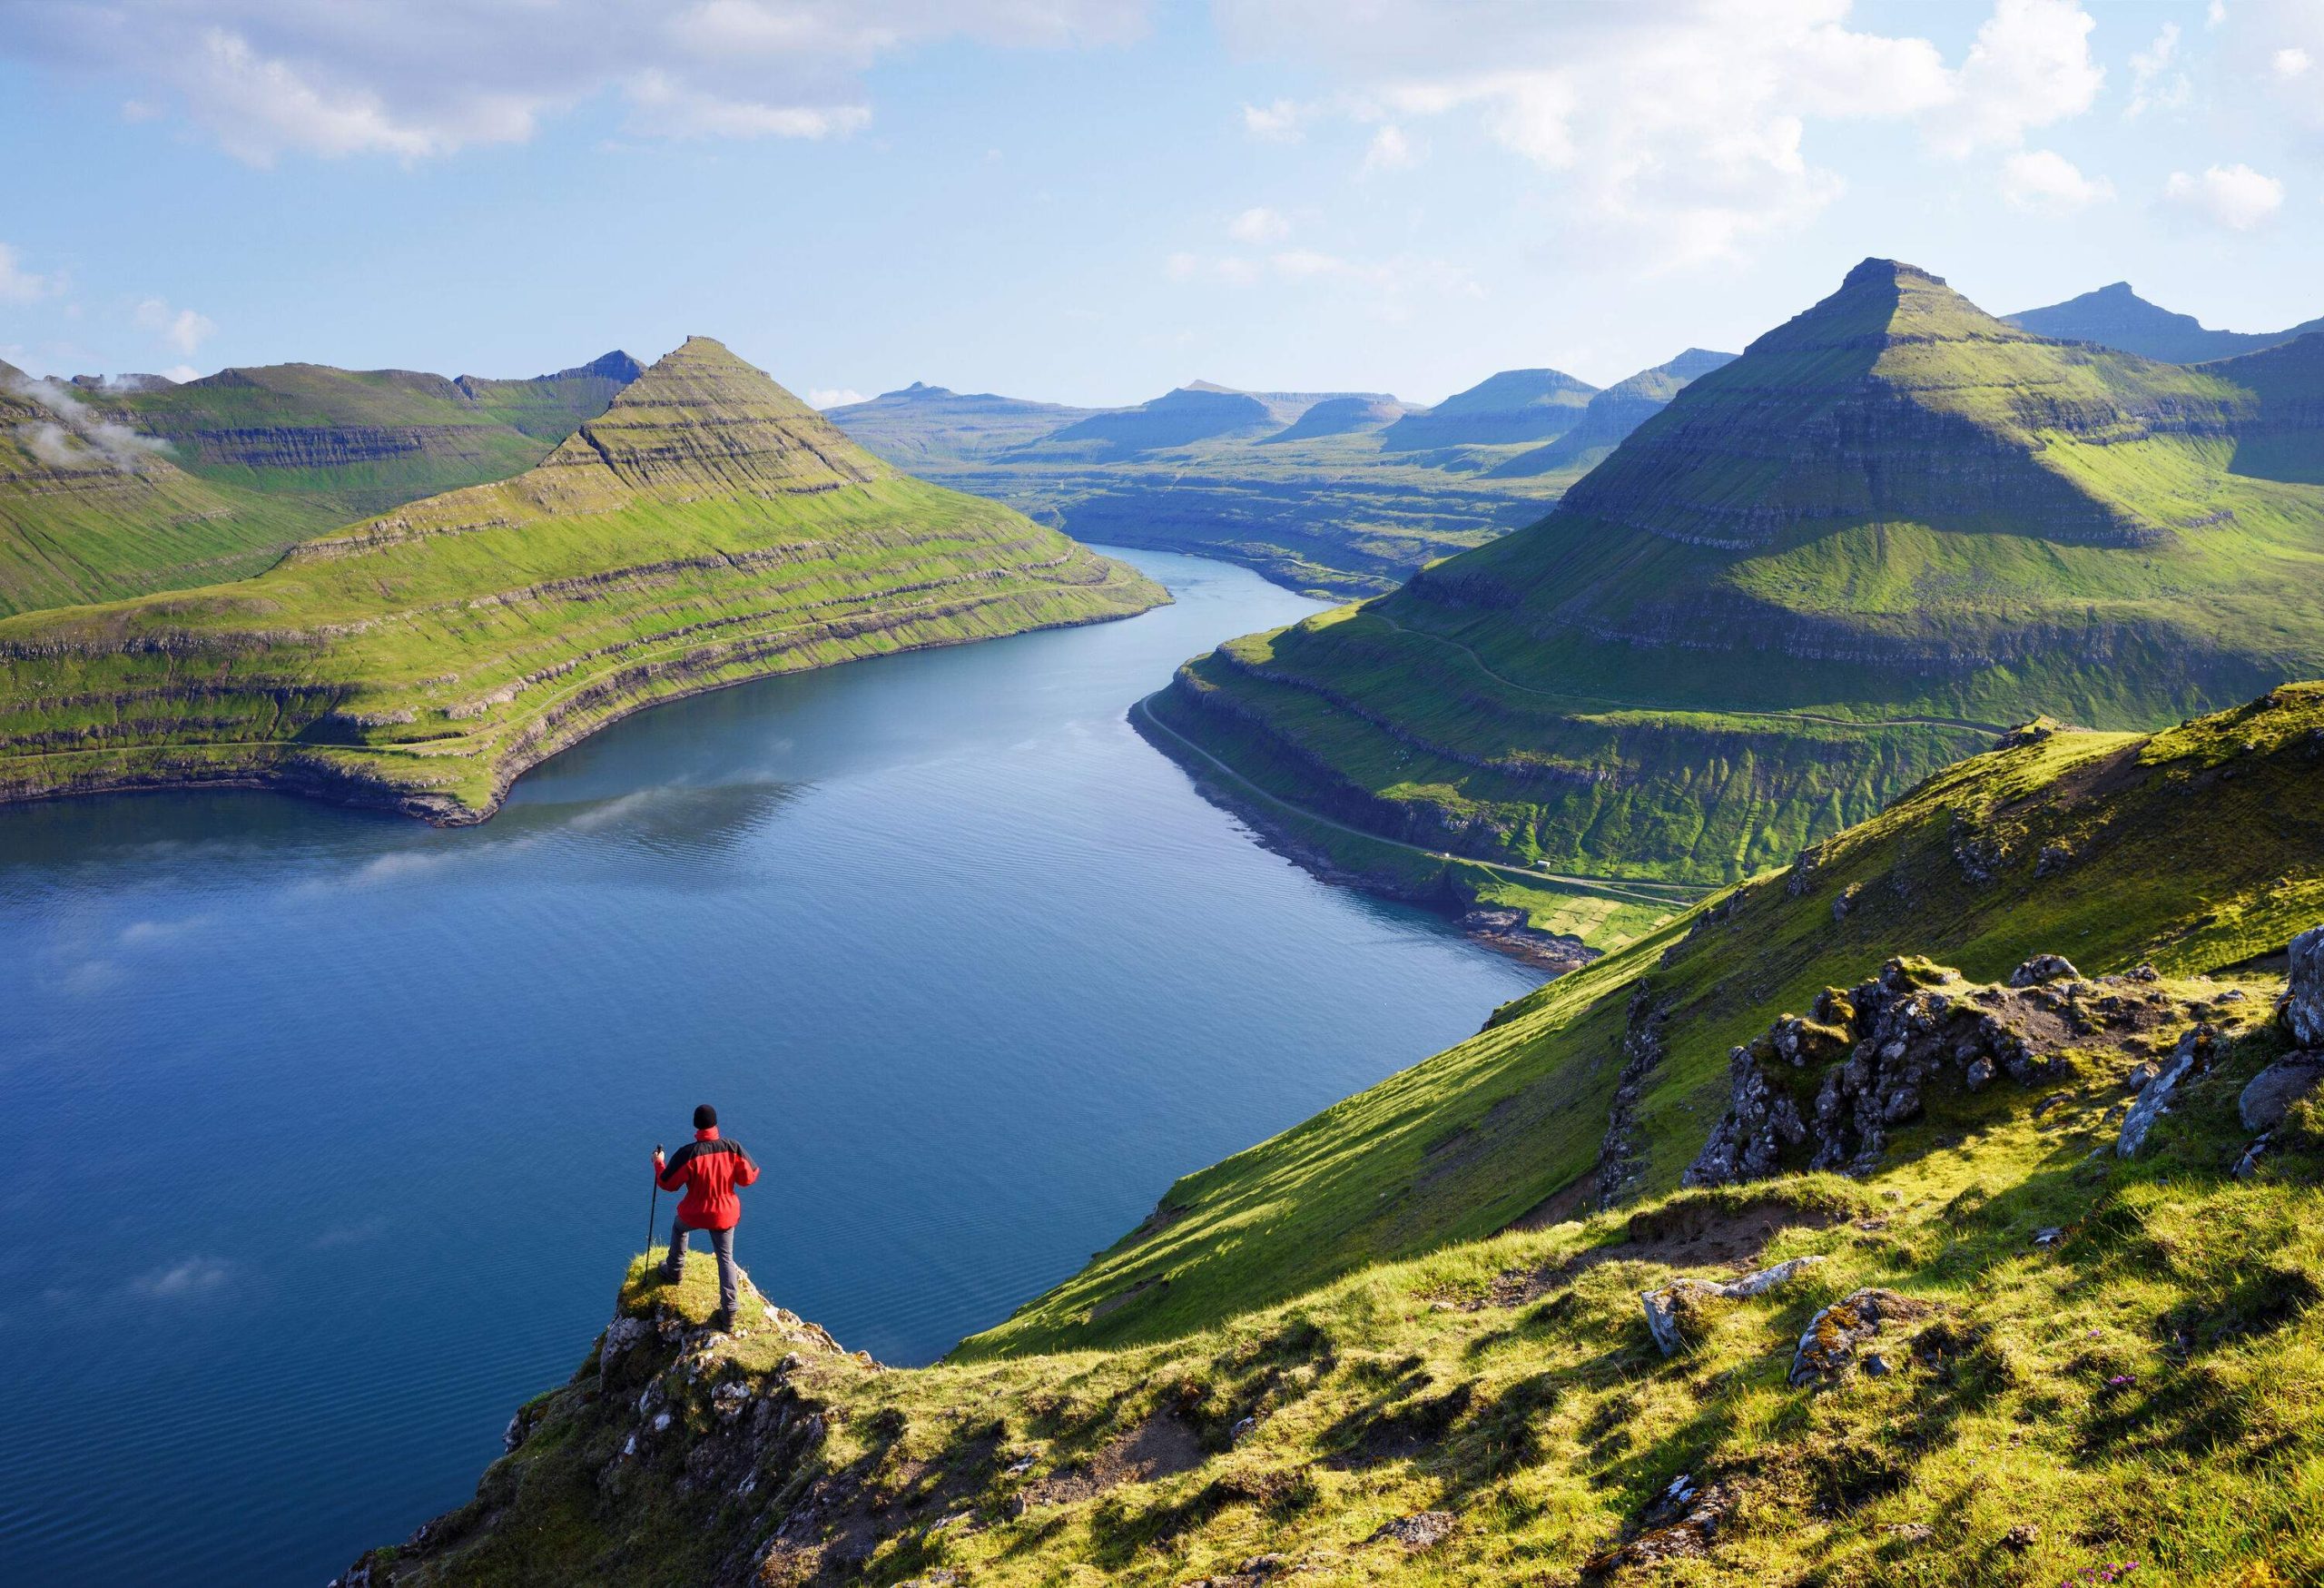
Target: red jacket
{"points": [[711, 1170]]}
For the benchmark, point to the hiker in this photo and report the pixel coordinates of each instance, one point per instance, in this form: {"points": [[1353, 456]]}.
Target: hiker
{"points": [[711, 1169]]}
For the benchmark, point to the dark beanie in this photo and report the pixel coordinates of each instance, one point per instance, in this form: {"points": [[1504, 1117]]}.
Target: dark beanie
{"points": [[705, 1118]]}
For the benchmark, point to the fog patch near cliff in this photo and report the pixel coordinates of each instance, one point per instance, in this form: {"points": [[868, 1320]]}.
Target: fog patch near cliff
{"points": [[74, 438]]}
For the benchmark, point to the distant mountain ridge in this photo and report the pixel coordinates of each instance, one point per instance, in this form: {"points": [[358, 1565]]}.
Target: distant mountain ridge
{"points": [[2116, 316], [1612, 414], [1515, 405], [1893, 526], [1336, 492]]}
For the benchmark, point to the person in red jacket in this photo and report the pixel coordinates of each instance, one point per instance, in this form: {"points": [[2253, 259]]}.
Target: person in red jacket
{"points": [[711, 1169]]}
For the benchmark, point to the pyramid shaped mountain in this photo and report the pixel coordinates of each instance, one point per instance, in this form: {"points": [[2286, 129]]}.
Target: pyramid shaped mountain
{"points": [[1893, 526], [700, 419], [706, 529]]}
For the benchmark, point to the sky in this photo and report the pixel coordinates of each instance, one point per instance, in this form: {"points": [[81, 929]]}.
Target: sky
{"points": [[1093, 201]]}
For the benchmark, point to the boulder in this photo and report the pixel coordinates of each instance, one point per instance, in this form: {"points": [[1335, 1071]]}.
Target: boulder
{"points": [[1666, 1307], [2304, 999], [2271, 1092], [2193, 1055], [1828, 1347], [2044, 968]]}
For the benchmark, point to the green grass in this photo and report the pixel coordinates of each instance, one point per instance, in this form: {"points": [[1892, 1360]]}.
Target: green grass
{"points": [[1730, 642], [708, 528], [2145, 1390], [2197, 849], [249, 462]]}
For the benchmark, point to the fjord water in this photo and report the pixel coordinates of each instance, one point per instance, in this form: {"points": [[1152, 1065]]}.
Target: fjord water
{"points": [[323, 1135]]}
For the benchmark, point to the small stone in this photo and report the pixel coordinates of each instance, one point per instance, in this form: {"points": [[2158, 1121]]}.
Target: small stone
{"points": [[1876, 1365], [2021, 1537]]}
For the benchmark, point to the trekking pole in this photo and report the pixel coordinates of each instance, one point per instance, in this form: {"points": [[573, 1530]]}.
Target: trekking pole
{"points": [[654, 1206]]}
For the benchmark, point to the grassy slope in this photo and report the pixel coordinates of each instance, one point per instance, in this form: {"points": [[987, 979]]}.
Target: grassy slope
{"points": [[706, 529], [89, 514], [2197, 848], [258, 460], [1826, 570], [2145, 1390]]}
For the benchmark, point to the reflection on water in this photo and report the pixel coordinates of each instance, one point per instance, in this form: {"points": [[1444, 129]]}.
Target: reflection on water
{"points": [[323, 1134]]}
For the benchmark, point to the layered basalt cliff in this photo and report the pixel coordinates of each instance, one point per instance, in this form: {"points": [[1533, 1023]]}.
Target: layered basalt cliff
{"points": [[706, 530]]}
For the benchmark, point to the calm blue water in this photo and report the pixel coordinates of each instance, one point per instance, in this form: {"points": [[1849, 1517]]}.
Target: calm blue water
{"points": [[323, 1136]]}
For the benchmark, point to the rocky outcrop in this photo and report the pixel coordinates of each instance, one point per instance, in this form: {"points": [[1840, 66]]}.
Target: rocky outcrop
{"points": [[1834, 1343], [2191, 1056], [1621, 1154], [1823, 1091]]}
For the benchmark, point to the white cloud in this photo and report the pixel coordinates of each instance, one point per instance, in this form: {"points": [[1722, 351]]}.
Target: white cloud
{"points": [[834, 396], [1390, 151], [2030, 67], [2046, 182], [182, 329], [1279, 122], [74, 438], [2290, 62], [19, 285], [1682, 129], [181, 373], [420, 78], [1258, 224], [2150, 88], [2215, 13], [2234, 197]]}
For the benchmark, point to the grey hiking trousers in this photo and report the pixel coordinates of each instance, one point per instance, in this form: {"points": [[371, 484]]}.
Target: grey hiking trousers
{"points": [[722, 1242]]}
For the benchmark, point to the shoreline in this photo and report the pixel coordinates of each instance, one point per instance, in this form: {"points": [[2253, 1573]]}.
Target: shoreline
{"points": [[1502, 930]]}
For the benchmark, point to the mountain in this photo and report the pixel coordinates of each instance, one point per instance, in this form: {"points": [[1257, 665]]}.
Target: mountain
{"points": [[1298, 485], [707, 527], [2055, 1324], [924, 425], [280, 452], [1893, 526], [1339, 415], [1175, 419], [1516, 405], [1611, 415], [2116, 316], [91, 508]]}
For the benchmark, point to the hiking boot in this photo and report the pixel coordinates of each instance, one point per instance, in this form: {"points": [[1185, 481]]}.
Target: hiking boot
{"points": [[722, 1322], [667, 1275]]}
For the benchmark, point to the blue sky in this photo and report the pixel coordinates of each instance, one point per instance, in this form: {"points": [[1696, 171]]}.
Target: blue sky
{"points": [[1092, 201]]}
